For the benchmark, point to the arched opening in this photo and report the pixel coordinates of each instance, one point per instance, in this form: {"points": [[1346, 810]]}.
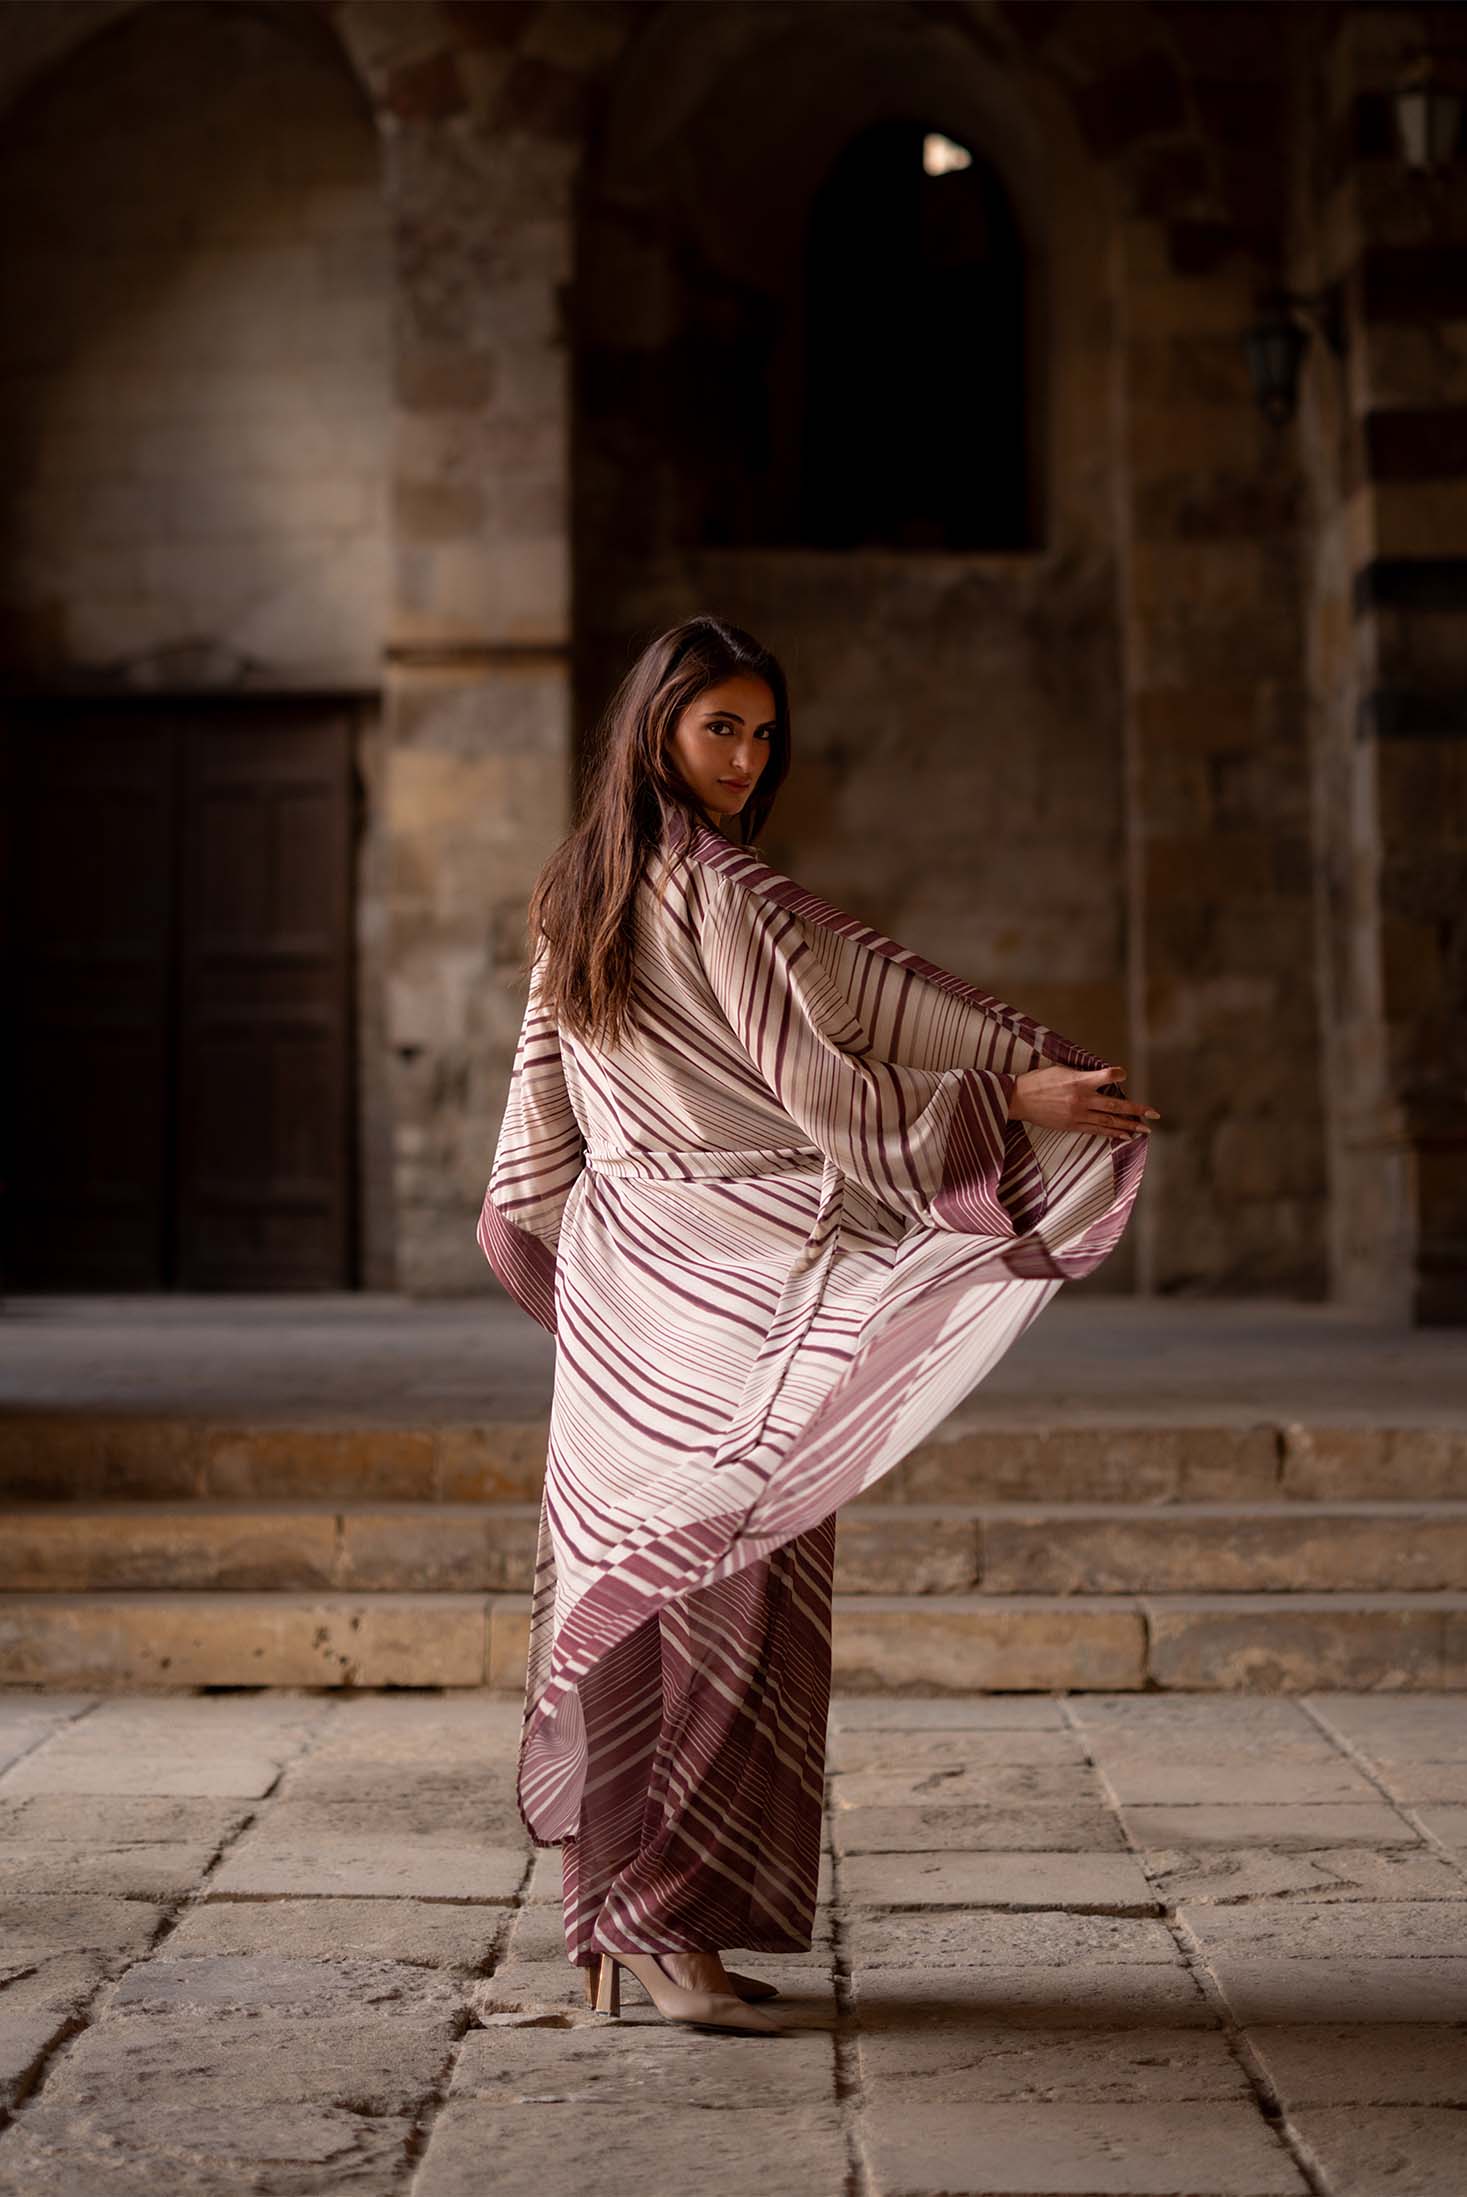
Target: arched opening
{"points": [[913, 428]]}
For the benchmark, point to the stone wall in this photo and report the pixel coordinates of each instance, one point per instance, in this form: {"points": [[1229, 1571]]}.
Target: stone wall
{"points": [[194, 360], [1116, 777]]}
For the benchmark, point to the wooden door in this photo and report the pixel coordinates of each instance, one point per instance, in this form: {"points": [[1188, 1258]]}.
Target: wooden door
{"points": [[180, 925], [91, 831]]}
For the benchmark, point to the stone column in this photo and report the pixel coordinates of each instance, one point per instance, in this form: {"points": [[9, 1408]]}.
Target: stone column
{"points": [[1386, 435], [1218, 785], [477, 683]]}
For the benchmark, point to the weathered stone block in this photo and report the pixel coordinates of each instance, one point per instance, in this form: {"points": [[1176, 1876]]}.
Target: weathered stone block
{"points": [[1407, 1463], [508, 1650], [968, 1643], [888, 1551], [440, 1548], [502, 1461], [123, 1639], [381, 1464], [1256, 1548], [1090, 1464], [1290, 1642]]}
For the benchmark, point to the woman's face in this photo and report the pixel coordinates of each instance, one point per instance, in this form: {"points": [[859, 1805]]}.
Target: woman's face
{"points": [[722, 742]]}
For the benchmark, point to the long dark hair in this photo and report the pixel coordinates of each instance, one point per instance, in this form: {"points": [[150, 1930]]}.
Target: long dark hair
{"points": [[636, 799]]}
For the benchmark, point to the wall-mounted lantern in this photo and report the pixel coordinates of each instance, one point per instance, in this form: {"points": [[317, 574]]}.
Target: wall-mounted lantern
{"points": [[1276, 342], [1428, 117]]}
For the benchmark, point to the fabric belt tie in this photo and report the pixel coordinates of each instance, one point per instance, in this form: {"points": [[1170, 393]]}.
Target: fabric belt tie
{"points": [[699, 1164]]}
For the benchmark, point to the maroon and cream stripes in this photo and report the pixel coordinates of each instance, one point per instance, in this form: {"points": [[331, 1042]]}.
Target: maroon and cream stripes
{"points": [[779, 1232]]}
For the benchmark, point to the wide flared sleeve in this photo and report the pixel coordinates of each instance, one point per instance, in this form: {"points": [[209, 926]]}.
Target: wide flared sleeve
{"points": [[539, 1156], [936, 1143]]}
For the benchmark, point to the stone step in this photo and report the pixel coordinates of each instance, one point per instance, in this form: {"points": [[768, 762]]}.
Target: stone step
{"points": [[235, 1544], [922, 1643], [59, 1455]]}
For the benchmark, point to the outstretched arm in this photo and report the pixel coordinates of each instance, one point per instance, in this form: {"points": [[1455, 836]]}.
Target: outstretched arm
{"points": [[936, 1143]]}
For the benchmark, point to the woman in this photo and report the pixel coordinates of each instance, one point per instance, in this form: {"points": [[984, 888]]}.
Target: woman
{"points": [[784, 1191]]}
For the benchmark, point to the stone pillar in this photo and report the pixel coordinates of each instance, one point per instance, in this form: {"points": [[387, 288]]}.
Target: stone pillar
{"points": [[1386, 436], [1221, 869], [482, 142]]}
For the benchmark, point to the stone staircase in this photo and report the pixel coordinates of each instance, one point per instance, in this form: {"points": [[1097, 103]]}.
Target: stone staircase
{"points": [[177, 1550]]}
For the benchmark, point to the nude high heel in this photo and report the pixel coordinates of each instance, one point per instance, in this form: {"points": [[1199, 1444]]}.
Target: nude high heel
{"points": [[702, 2009], [752, 1987]]}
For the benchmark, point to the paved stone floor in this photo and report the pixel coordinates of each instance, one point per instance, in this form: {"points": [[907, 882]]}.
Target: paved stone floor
{"points": [[1091, 1358], [1182, 1945]]}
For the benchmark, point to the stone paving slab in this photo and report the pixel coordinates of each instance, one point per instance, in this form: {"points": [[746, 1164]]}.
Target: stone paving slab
{"points": [[1107, 1995], [1401, 1728], [1360, 2151], [353, 1978], [1401, 1930], [1139, 2149], [1149, 1783], [369, 1866], [1338, 1873], [963, 1938], [892, 1751], [1283, 1826], [755, 2151], [993, 1783], [999, 1712], [427, 1933], [1377, 1990], [1115, 1883], [124, 1872], [109, 2148], [1414, 1782], [646, 2062], [1447, 1824], [1359, 2064], [1052, 1828], [938, 2065]]}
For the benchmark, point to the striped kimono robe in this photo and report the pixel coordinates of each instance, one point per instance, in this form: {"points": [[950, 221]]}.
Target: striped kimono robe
{"points": [[779, 1232]]}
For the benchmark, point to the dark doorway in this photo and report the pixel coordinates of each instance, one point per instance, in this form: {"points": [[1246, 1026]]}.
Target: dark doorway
{"points": [[180, 1107]]}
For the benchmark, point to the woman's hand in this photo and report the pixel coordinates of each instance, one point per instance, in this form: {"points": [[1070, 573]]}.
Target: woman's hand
{"points": [[1066, 1098]]}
